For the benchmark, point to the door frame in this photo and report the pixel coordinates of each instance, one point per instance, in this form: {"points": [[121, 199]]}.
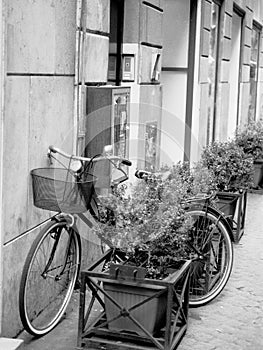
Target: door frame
{"points": [[258, 27], [190, 79], [217, 67]]}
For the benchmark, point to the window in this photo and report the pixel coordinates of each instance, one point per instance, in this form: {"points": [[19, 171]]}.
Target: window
{"points": [[213, 69], [254, 62], [234, 77], [116, 38], [177, 76]]}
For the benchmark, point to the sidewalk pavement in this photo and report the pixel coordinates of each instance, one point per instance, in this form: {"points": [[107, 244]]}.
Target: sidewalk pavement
{"points": [[233, 321]]}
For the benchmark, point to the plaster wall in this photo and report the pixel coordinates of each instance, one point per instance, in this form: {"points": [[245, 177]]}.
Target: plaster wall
{"points": [[38, 111], [96, 42], [40, 36], [1, 153], [37, 114]]}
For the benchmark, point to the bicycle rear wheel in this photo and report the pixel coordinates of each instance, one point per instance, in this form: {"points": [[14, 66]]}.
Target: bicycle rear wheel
{"points": [[48, 278], [212, 253]]}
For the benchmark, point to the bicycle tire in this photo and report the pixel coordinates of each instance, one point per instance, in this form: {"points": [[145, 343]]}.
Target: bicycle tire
{"points": [[43, 298], [212, 250]]}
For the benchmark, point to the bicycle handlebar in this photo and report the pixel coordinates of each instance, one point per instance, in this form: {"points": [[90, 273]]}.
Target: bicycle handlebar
{"points": [[52, 149], [142, 174]]}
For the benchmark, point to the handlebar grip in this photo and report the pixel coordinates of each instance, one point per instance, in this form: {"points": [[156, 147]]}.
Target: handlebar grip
{"points": [[126, 162], [140, 174], [52, 149]]}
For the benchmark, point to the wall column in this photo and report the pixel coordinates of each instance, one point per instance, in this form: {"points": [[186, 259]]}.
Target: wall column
{"points": [[1, 153]]}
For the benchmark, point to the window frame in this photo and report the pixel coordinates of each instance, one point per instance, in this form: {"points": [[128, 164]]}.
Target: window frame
{"points": [[256, 26], [119, 38]]}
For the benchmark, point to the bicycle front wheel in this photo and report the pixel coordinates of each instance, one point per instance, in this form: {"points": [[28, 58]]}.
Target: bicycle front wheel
{"points": [[211, 250], [49, 277]]}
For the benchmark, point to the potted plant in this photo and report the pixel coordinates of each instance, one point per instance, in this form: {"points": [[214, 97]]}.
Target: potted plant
{"points": [[195, 179], [250, 139], [148, 290], [231, 170]]}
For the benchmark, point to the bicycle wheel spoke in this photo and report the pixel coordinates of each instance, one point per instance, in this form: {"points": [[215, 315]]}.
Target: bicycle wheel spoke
{"points": [[48, 278], [213, 257]]}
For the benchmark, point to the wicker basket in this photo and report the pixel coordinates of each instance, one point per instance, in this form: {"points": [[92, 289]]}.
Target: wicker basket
{"points": [[56, 189]]}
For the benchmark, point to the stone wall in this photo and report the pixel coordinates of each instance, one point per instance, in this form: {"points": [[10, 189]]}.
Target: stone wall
{"points": [[38, 111]]}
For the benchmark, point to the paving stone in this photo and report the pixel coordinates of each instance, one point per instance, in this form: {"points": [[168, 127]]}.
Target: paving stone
{"points": [[235, 318]]}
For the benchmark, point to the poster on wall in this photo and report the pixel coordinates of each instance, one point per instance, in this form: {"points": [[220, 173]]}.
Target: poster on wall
{"points": [[150, 146], [120, 128]]}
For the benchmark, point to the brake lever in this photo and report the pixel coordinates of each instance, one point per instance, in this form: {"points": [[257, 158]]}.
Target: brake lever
{"points": [[49, 155]]}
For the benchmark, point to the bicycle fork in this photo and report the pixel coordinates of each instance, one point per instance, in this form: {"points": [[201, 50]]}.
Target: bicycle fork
{"points": [[57, 235]]}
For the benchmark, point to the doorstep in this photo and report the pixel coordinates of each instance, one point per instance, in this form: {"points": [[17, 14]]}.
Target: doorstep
{"points": [[11, 344]]}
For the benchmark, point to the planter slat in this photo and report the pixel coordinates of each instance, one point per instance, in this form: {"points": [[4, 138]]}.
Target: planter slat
{"points": [[99, 333], [98, 343], [258, 174], [235, 215]]}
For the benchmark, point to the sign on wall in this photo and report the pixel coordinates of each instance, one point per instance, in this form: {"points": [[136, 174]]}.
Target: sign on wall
{"points": [[150, 146]]}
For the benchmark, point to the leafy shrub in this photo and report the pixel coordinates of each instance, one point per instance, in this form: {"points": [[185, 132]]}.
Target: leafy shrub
{"points": [[230, 167], [196, 179], [250, 139], [149, 223]]}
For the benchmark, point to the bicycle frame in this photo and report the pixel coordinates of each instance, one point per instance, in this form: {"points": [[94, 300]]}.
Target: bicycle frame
{"points": [[63, 270]]}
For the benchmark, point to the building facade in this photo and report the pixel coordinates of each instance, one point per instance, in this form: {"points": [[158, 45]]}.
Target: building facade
{"points": [[214, 66], [158, 79]]}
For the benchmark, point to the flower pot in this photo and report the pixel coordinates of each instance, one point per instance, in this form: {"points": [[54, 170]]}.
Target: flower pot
{"points": [[152, 299], [226, 202], [129, 295], [139, 313], [258, 173], [233, 206]]}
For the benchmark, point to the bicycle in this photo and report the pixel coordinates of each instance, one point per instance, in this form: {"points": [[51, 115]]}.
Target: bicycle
{"points": [[52, 265]]}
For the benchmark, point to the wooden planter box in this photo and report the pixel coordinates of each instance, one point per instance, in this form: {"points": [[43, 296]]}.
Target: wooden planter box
{"points": [[128, 295], [233, 206], [136, 313], [258, 173]]}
